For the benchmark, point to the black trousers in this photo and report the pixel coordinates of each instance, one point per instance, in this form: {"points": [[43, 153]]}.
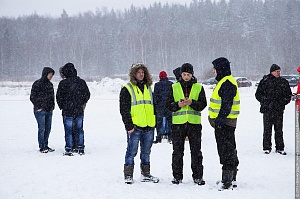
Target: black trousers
{"points": [[179, 132], [226, 145], [273, 119]]}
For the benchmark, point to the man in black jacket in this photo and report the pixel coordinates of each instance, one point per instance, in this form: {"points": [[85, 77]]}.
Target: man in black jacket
{"points": [[161, 91], [42, 98], [186, 100], [137, 111], [72, 96], [273, 93], [223, 111]]}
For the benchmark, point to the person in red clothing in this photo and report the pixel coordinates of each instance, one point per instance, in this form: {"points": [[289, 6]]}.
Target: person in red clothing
{"points": [[298, 92]]}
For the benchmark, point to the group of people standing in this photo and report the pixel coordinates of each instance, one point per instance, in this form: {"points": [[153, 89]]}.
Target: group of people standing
{"points": [[71, 97], [180, 103], [185, 100]]}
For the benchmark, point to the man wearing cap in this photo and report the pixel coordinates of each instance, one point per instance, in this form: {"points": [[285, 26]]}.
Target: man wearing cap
{"points": [[224, 108], [186, 101], [273, 93], [161, 90]]}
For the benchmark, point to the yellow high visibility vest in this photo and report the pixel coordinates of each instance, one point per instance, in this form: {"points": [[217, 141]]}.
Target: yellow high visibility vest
{"points": [[186, 114], [216, 101], [142, 109]]}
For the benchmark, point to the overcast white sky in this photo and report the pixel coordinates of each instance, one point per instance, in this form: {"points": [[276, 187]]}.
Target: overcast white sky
{"points": [[15, 8]]}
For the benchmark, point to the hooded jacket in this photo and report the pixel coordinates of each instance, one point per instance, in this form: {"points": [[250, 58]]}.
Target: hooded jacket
{"points": [[42, 92], [273, 94], [125, 97], [161, 91], [227, 92], [72, 92]]}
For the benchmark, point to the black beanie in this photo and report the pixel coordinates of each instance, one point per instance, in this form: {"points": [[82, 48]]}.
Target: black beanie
{"points": [[188, 68], [274, 67], [220, 63]]}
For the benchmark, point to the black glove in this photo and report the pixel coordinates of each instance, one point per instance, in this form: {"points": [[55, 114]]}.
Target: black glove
{"points": [[219, 122]]}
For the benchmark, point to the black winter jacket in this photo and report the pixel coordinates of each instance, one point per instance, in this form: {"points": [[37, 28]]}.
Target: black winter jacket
{"points": [[72, 93], [42, 92], [273, 94], [198, 105], [161, 91]]}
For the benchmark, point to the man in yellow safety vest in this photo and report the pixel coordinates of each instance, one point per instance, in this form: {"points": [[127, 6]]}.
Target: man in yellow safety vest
{"points": [[186, 101], [137, 111], [224, 108]]}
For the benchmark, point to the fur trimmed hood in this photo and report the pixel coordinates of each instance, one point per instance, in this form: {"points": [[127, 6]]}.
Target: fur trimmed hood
{"points": [[133, 70]]}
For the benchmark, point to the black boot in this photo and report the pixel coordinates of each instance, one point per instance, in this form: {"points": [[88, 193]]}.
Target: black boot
{"points": [[227, 176], [234, 178], [128, 174], [146, 176]]}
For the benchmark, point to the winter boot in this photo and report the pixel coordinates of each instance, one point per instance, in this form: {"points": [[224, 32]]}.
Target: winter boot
{"points": [[199, 181], [234, 184], [176, 181], [146, 176], [227, 176], [128, 174]]}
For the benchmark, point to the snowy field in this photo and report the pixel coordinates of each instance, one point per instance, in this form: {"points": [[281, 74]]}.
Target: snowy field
{"points": [[26, 173]]}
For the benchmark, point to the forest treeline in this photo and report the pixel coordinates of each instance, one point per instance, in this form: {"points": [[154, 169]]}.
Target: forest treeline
{"points": [[252, 34]]}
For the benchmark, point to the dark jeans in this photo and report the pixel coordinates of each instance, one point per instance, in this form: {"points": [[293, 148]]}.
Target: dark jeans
{"points": [[270, 119], [226, 146], [44, 120], [179, 132], [145, 138], [163, 128], [71, 123]]}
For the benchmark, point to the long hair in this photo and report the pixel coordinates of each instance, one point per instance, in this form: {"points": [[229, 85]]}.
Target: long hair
{"points": [[133, 70]]}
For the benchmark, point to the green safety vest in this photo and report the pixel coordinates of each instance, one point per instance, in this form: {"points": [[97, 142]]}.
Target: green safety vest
{"points": [[186, 114], [142, 109], [216, 101]]}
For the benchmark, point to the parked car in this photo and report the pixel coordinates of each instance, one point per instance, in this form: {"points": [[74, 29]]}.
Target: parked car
{"points": [[292, 79], [210, 81], [243, 82]]}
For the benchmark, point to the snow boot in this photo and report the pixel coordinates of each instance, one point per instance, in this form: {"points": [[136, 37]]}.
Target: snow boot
{"points": [[49, 149], [128, 174], [199, 181], [234, 184], [146, 176], [176, 181], [227, 176]]}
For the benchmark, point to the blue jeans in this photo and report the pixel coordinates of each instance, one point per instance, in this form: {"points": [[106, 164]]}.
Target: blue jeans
{"points": [[71, 123], [44, 120], [146, 139], [163, 124]]}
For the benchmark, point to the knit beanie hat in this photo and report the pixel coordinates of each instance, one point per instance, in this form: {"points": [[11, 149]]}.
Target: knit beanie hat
{"points": [[274, 67], [188, 68], [162, 75]]}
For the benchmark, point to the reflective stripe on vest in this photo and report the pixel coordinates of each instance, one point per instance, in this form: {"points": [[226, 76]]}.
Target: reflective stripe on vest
{"points": [[186, 114], [216, 100], [142, 109]]}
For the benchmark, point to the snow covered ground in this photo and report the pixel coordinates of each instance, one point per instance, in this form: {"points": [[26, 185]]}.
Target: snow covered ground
{"points": [[26, 173]]}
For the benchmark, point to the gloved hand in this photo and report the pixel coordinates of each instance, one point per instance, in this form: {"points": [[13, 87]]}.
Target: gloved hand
{"points": [[219, 122]]}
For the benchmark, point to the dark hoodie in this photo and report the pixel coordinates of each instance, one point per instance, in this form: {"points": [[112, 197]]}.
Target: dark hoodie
{"points": [[42, 92], [72, 92], [227, 91]]}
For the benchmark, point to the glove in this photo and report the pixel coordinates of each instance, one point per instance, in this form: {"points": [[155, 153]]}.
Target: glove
{"points": [[220, 122]]}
